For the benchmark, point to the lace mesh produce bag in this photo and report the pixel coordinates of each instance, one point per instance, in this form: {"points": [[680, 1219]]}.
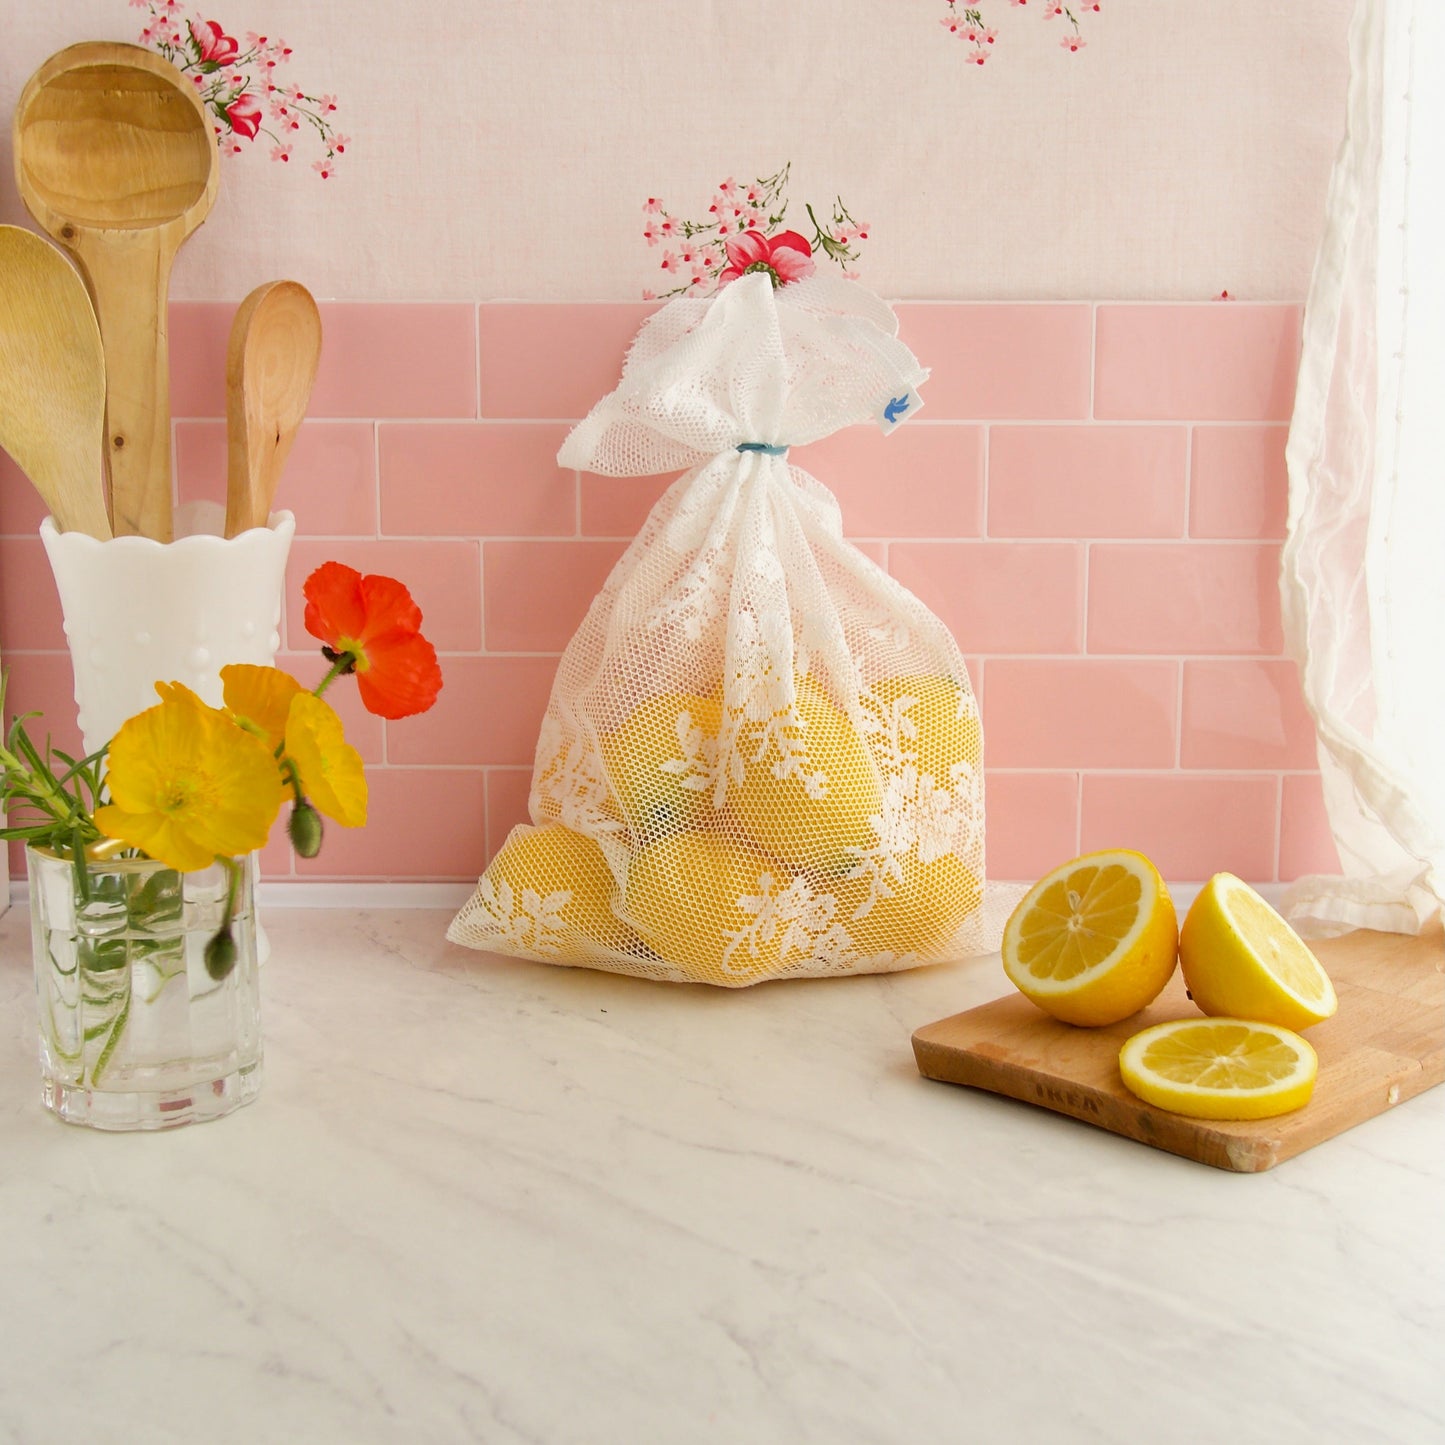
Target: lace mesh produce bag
{"points": [[761, 757]]}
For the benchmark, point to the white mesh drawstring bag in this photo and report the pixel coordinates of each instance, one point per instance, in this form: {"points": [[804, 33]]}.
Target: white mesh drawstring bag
{"points": [[761, 757]]}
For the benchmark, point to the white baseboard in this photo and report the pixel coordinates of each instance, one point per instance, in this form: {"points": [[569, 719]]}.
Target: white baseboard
{"points": [[302, 893]]}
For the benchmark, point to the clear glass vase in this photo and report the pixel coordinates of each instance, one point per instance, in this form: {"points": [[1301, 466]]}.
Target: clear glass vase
{"points": [[135, 1033]]}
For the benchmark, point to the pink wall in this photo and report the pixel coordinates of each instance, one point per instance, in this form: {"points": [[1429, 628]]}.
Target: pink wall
{"points": [[1093, 500]]}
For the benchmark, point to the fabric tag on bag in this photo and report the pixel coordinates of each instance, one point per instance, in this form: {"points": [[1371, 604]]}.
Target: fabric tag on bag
{"points": [[897, 408]]}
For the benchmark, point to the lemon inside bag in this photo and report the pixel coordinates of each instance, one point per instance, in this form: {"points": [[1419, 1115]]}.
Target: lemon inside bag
{"points": [[772, 747], [775, 875]]}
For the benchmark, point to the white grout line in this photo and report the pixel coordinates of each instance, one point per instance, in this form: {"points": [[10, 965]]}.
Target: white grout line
{"points": [[1093, 356]]}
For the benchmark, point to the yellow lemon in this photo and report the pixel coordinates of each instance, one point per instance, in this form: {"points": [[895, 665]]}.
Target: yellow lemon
{"points": [[546, 862], [1094, 940], [685, 893], [1220, 1068], [1241, 958], [941, 724], [925, 911], [656, 762], [811, 817]]}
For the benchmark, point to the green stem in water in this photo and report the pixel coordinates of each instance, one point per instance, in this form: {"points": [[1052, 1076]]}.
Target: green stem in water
{"points": [[221, 950]]}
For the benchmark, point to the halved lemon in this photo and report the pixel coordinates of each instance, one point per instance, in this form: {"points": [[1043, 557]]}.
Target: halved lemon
{"points": [[1094, 940], [1220, 1068], [1241, 959]]}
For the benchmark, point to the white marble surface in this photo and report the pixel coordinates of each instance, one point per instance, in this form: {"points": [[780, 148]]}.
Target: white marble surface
{"points": [[481, 1200]]}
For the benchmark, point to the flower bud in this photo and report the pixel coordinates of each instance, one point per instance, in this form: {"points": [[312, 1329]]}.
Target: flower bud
{"points": [[304, 829], [221, 954]]}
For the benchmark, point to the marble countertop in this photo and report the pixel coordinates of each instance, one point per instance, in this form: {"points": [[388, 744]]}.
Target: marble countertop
{"points": [[484, 1200]]}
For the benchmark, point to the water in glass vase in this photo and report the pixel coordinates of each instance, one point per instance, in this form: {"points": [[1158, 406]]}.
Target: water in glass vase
{"points": [[135, 1033]]}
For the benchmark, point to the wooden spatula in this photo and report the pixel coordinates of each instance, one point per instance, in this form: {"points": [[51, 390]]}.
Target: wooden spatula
{"points": [[270, 367], [52, 381], [116, 159]]}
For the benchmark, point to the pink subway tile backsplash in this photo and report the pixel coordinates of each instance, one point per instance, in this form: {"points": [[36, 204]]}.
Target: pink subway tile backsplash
{"points": [[1245, 715], [999, 596], [403, 359], [1189, 825], [507, 792], [537, 593], [1086, 481], [1238, 485], [1005, 361], [480, 478], [328, 483], [1177, 598], [1305, 843], [1079, 713], [1219, 362], [489, 711], [422, 823], [618, 506], [922, 481], [21, 510], [30, 615], [199, 332], [414, 359], [1032, 822], [540, 361], [43, 682], [1093, 502]]}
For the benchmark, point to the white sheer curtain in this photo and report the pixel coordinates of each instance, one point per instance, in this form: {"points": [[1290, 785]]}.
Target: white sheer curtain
{"points": [[1363, 575]]}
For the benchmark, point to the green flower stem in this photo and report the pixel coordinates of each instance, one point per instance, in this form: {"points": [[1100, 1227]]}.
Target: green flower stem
{"points": [[343, 664], [292, 777], [112, 1042]]}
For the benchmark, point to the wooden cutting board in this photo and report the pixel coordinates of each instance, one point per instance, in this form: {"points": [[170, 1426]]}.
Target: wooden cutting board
{"points": [[1385, 1045]]}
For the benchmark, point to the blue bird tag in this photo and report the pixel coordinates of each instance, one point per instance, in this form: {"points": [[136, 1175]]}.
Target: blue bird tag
{"points": [[896, 408]]}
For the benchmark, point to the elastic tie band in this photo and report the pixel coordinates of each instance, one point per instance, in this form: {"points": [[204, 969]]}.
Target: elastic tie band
{"points": [[766, 448]]}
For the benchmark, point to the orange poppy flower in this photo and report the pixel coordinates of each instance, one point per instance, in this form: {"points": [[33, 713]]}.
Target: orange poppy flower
{"points": [[374, 625]]}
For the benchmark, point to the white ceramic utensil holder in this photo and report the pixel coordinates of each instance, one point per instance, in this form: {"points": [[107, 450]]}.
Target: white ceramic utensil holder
{"points": [[138, 612]]}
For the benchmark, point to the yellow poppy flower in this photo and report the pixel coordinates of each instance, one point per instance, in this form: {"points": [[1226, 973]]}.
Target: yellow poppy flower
{"points": [[188, 784], [330, 769], [259, 698]]}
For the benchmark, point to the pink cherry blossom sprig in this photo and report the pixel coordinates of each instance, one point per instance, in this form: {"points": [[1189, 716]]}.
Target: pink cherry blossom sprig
{"points": [[699, 255], [240, 86], [967, 23]]}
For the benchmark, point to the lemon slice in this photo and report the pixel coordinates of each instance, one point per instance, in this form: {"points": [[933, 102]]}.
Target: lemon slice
{"points": [[1095, 940], [1220, 1068], [1242, 959]]}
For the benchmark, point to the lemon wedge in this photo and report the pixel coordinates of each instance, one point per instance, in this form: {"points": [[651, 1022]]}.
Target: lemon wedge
{"points": [[1094, 940], [1241, 959], [1220, 1068]]}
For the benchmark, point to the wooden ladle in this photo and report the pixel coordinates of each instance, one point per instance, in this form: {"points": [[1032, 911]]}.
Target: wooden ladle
{"points": [[52, 381], [270, 367], [115, 158]]}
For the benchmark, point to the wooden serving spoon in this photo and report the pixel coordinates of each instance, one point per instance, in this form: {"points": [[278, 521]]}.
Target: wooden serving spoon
{"points": [[52, 381], [270, 367], [115, 158]]}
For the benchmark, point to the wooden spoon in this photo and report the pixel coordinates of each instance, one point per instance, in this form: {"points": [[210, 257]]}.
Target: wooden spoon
{"points": [[270, 367], [52, 381], [115, 158]]}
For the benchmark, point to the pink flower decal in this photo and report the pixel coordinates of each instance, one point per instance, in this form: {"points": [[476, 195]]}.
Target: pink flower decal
{"points": [[233, 81], [784, 257], [244, 114], [967, 22], [743, 231], [214, 46]]}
